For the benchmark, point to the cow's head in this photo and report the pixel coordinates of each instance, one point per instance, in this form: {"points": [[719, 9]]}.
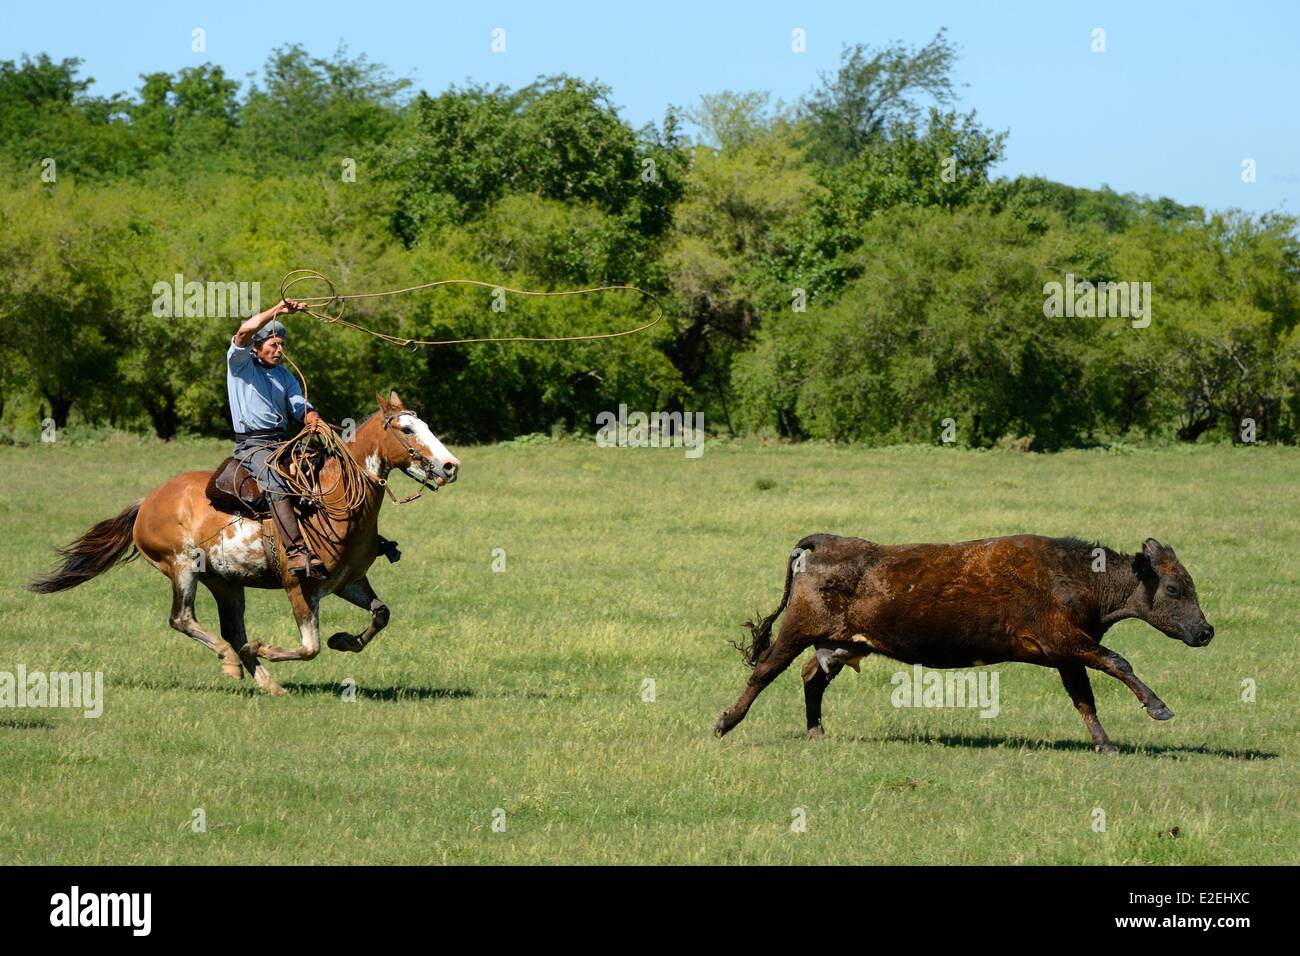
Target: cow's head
{"points": [[1168, 596]]}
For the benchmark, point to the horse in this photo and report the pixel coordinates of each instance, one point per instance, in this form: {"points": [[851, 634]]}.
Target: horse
{"points": [[180, 533]]}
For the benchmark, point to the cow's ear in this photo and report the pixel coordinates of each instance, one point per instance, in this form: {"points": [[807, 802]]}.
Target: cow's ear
{"points": [[1149, 558]]}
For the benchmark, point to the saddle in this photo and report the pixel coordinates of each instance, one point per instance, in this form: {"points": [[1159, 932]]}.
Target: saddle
{"points": [[234, 490]]}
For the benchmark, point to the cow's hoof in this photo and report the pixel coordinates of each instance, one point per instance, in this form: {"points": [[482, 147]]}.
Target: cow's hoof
{"points": [[816, 733], [1107, 748], [1160, 712]]}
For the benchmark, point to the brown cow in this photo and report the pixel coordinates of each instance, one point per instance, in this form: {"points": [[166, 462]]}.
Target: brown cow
{"points": [[1046, 601]]}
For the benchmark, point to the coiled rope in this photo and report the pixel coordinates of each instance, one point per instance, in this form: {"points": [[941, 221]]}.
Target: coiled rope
{"points": [[294, 461]]}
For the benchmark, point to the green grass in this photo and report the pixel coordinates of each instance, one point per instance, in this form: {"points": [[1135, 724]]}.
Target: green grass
{"points": [[521, 690]]}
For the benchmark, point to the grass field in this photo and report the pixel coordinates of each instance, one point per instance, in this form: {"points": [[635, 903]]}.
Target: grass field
{"points": [[522, 689]]}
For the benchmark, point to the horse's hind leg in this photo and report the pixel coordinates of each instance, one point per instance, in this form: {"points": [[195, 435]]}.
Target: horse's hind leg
{"points": [[360, 593], [184, 584], [230, 607]]}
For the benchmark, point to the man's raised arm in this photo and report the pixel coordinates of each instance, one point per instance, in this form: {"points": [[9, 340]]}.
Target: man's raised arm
{"points": [[244, 336]]}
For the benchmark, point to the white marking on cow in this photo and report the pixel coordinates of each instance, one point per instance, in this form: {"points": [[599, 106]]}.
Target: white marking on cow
{"points": [[838, 655]]}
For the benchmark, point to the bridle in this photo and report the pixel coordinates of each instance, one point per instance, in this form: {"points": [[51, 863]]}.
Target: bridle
{"points": [[425, 463]]}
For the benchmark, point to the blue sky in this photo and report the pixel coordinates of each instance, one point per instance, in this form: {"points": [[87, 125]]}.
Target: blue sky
{"points": [[1182, 94]]}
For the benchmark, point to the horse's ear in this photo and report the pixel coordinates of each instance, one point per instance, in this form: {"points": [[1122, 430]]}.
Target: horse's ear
{"points": [[394, 400], [383, 405]]}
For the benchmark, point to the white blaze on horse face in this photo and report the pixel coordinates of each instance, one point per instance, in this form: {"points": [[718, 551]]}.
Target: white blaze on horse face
{"points": [[435, 450]]}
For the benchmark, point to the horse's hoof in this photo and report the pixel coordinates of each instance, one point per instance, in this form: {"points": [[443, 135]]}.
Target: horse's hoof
{"points": [[343, 641], [1161, 712], [268, 684], [722, 727], [1107, 748], [234, 671], [253, 648], [816, 733]]}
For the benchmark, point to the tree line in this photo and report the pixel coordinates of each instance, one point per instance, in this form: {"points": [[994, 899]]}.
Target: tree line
{"points": [[846, 267]]}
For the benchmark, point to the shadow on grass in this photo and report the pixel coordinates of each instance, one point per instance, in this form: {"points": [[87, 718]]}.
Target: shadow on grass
{"points": [[382, 693], [989, 741], [246, 688], [10, 723]]}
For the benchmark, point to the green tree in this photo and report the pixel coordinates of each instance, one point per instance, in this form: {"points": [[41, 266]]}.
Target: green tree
{"points": [[872, 91]]}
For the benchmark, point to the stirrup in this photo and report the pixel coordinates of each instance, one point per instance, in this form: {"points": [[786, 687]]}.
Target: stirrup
{"points": [[311, 567]]}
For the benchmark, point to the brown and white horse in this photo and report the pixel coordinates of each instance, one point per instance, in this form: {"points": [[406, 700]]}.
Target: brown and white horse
{"points": [[183, 536]]}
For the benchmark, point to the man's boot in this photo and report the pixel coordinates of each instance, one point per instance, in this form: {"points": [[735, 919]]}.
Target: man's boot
{"points": [[301, 562]]}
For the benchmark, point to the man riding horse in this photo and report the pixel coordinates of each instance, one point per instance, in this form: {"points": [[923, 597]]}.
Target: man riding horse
{"points": [[179, 530], [264, 397]]}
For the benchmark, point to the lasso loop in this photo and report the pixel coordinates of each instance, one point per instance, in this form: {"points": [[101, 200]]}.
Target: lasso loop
{"points": [[330, 309], [293, 459]]}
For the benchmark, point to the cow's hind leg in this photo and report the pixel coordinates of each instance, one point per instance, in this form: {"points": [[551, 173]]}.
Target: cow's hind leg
{"points": [[828, 660], [230, 608], [1075, 679], [789, 645], [184, 585], [815, 681], [360, 593]]}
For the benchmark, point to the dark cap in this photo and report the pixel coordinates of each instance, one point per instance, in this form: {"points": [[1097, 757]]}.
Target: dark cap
{"points": [[271, 329]]}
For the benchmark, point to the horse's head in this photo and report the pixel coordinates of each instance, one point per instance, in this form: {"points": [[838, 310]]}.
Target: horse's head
{"points": [[410, 446]]}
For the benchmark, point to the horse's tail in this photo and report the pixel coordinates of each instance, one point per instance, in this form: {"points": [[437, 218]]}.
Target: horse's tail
{"points": [[761, 633], [105, 545]]}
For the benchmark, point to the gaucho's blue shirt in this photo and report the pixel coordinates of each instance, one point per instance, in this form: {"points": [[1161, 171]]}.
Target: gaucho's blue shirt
{"points": [[261, 396]]}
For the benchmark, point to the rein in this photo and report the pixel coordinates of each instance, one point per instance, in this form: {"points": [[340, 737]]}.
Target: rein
{"points": [[412, 455], [351, 471]]}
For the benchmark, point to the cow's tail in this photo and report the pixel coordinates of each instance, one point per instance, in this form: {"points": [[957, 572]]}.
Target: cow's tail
{"points": [[761, 633], [99, 549]]}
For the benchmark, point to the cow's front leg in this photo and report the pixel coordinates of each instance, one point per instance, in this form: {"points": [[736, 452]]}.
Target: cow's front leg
{"points": [[1109, 662], [360, 593], [1075, 679]]}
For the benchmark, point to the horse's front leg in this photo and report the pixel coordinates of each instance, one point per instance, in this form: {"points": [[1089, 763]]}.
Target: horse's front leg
{"points": [[360, 593], [304, 598]]}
